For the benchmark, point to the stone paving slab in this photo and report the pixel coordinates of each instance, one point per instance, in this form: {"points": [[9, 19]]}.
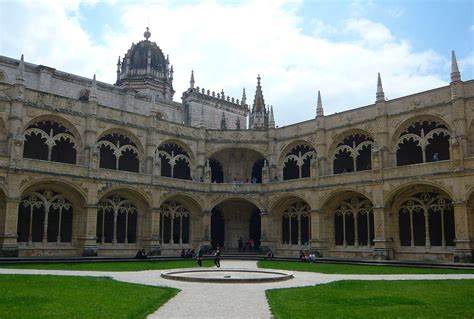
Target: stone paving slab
{"points": [[209, 300]]}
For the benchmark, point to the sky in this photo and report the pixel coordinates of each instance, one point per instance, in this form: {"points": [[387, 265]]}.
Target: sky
{"points": [[298, 47]]}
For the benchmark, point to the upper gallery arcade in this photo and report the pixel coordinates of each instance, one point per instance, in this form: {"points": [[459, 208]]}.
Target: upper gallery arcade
{"points": [[90, 168]]}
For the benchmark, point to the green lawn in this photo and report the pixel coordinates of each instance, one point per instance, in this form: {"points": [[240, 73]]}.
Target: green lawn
{"points": [[112, 265], [376, 299], [356, 269], [25, 296]]}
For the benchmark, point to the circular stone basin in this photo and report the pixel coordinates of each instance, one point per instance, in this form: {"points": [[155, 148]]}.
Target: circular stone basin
{"points": [[227, 275]]}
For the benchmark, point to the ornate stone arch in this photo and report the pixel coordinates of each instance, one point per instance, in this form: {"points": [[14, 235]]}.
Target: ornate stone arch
{"points": [[349, 218], [300, 160], [422, 215], [50, 210], [422, 140], [191, 201], [52, 139], [239, 197], [184, 146], [120, 149], [179, 224], [361, 141], [133, 137]]}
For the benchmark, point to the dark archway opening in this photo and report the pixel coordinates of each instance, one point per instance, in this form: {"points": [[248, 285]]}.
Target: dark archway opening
{"points": [[302, 154], [430, 133], [343, 163], [255, 228], [217, 174], [174, 161], [118, 144], [217, 228], [59, 148], [257, 170]]}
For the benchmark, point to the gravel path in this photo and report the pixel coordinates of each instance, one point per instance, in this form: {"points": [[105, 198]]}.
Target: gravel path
{"points": [[210, 300]]}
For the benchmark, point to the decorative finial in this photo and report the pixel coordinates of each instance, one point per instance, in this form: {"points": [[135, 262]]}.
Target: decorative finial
{"points": [[258, 80], [191, 82], [319, 106], [455, 74], [244, 97], [271, 120], [147, 33], [380, 96]]}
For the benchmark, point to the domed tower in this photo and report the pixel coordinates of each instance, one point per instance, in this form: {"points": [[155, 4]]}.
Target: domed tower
{"points": [[145, 68]]}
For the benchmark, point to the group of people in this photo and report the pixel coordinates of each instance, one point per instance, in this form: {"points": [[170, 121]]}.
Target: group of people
{"points": [[310, 258], [248, 246], [190, 253], [217, 256]]}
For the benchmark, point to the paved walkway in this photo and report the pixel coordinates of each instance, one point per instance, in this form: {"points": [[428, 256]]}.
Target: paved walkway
{"points": [[210, 300]]}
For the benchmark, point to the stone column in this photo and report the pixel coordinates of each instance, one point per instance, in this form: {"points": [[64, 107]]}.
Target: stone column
{"points": [[319, 243], [87, 235], [151, 239], [267, 241], [206, 229], [382, 245], [8, 228], [464, 250]]}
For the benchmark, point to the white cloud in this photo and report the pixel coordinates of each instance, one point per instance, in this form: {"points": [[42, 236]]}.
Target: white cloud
{"points": [[228, 45]]}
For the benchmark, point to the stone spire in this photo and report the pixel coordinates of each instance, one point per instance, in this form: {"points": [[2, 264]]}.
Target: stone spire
{"points": [[455, 74], [223, 122], [380, 96], [93, 91], [258, 101], [319, 106], [118, 68], [191, 82], [20, 77], [271, 119], [259, 115], [244, 98]]}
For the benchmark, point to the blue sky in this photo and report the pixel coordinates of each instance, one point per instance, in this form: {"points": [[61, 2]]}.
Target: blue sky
{"points": [[299, 47]]}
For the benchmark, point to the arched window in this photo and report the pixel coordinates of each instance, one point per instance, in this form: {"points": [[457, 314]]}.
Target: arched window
{"points": [[354, 223], [424, 141], [257, 170], [45, 216], [174, 223], [353, 154], [297, 162], [296, 224], [49, 141], [118, 152], [116, 221], [217, 173], [426, 219], [174, 161]]}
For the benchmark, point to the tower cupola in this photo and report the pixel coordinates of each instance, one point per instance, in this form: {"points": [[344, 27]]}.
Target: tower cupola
{"points": [[144, 68]]}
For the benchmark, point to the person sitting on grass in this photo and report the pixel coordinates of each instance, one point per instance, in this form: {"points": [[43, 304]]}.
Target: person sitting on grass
{"points": [[312, 258]]}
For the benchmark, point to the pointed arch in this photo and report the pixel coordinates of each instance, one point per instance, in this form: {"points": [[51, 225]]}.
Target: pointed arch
{"points": [[424, 138], [295, 160], [52, 138]]}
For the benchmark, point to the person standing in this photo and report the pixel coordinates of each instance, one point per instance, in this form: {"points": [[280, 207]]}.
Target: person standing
{"points": [[241, 244], [217, 256], [199, 256]]}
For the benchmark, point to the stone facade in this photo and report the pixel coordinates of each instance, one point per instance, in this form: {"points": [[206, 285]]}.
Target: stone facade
{"points": [[88, 168]]}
